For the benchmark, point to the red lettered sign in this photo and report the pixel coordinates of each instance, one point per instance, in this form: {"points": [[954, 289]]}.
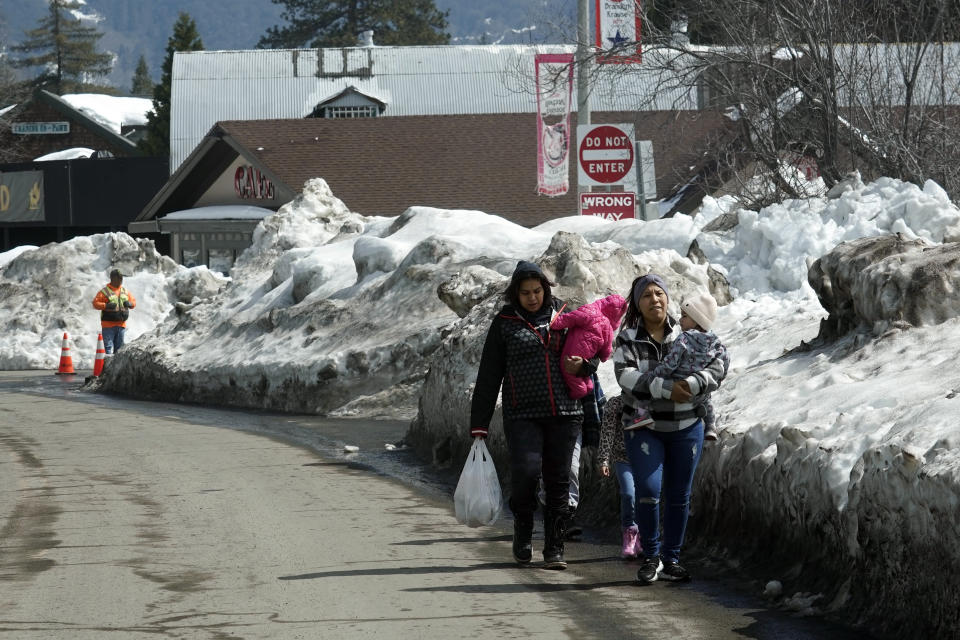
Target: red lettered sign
{"points": [[606, 155], [616, 205]]}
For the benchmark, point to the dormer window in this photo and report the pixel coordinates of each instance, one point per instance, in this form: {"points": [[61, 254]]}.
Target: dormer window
{"points": [[360, 111], [349, 103]]}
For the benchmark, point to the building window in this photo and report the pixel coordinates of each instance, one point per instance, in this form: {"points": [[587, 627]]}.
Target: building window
{"points": [[221, 260], [191, 258], [364, 111]]}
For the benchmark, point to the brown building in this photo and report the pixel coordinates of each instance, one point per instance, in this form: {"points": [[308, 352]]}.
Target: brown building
{"points": [[47, 123]]}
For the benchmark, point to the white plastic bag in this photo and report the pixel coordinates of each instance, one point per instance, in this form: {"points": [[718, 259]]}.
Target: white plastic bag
{"points": [[477, 499]]}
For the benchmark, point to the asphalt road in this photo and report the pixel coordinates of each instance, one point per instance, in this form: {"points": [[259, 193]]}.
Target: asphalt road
{"points": [[123, 519]]}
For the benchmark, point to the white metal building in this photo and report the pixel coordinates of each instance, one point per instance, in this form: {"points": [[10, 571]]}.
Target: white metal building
{"points": [[213, 86]]}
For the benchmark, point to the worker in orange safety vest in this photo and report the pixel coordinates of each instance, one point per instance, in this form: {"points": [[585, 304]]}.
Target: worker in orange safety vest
{"points": [[114, 303]]}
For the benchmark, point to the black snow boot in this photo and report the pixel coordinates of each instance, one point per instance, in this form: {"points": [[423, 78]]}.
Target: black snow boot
{"points": [[522, 537], [554, 532]]}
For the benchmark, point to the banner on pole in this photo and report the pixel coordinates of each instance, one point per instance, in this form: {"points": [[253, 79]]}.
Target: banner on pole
{"points": [[618, 26], [554, 82]]}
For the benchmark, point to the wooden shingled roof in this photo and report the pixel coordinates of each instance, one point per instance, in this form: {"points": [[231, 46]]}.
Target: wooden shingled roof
{"points": [[381, 166]]}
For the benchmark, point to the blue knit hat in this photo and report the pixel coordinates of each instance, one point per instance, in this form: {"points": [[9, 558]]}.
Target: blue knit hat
{"points": [[646, 281]]}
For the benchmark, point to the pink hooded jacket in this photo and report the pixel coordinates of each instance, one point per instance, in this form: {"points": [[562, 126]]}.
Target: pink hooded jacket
{"points": [[592, 328]]}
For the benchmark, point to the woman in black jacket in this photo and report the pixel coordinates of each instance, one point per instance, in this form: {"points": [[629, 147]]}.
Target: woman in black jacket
{"points": [[521, 357]]}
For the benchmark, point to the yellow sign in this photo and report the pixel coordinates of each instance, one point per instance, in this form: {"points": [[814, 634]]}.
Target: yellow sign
{"points": [[35, 196]]}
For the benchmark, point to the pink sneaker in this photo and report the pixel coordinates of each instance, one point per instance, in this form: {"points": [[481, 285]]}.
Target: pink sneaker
{"points": [[631, 543]]}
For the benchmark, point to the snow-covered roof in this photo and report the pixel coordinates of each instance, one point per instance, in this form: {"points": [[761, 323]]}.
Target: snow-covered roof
{"points": [[382, 99], [66, 154], [111, 111], [261, 84], [102, 115], [221, 212]]}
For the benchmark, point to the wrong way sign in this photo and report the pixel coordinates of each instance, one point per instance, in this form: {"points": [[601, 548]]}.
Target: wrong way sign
{"points": [[610, 206], [606, 154]]}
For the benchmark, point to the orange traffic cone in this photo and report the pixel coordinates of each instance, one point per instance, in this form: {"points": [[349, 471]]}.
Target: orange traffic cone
{"points": [[101, 354], [66, 362]]}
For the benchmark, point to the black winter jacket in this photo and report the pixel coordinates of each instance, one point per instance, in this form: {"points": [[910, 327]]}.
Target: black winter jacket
{"points": [[522, 358]]}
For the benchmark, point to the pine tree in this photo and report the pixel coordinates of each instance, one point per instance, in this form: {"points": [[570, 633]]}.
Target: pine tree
{"points": [[9, 87], [11, 93], [65, 50], [142, 85], [184, 38], [337, 23]]}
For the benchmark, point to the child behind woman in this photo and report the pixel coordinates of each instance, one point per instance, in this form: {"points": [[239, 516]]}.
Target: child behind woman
{"points": [[692, 351], [611, 449]]}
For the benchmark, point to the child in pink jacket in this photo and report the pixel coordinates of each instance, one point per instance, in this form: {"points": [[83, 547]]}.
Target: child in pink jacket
{"points": [[592, 328]]}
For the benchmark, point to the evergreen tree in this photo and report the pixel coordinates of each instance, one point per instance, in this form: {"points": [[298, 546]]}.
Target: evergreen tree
{"points": [[337, 23], [184, 38], [142, 85], [65, 49], [10, 94], [10, 89]]}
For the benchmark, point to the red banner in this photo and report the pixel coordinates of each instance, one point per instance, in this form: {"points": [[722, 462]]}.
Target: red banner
{"points": [[554, 81]]}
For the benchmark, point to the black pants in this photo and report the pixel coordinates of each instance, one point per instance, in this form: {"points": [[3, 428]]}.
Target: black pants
{"points": [[541, 446]]}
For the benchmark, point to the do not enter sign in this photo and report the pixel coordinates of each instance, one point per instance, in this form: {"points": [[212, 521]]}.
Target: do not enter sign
{"points": [[606, 154]]}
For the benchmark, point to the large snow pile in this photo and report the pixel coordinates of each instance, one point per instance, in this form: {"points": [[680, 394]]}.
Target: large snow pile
{"points": [[48, 291], [328, 311]]}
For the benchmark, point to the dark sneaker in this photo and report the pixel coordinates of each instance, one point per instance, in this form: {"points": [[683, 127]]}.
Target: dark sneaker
{"points": [[649, 570], [673, 571]]}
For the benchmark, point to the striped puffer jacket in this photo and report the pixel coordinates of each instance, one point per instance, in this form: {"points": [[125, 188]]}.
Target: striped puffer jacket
{"points": [[635, 356]]}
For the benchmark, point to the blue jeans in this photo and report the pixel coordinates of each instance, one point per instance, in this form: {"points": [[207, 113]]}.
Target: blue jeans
{"points": [[628, 493], [112, 339], [667, 461]]}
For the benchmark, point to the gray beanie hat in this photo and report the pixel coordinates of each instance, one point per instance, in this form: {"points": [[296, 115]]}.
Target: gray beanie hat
{"points": [[702, 308], [645, 281]]}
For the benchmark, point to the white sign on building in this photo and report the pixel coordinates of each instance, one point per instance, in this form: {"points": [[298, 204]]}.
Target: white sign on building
{"points": [[39, 128]]}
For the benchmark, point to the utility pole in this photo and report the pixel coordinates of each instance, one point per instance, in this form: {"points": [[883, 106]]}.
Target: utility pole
{"points": [[583, 69]]}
